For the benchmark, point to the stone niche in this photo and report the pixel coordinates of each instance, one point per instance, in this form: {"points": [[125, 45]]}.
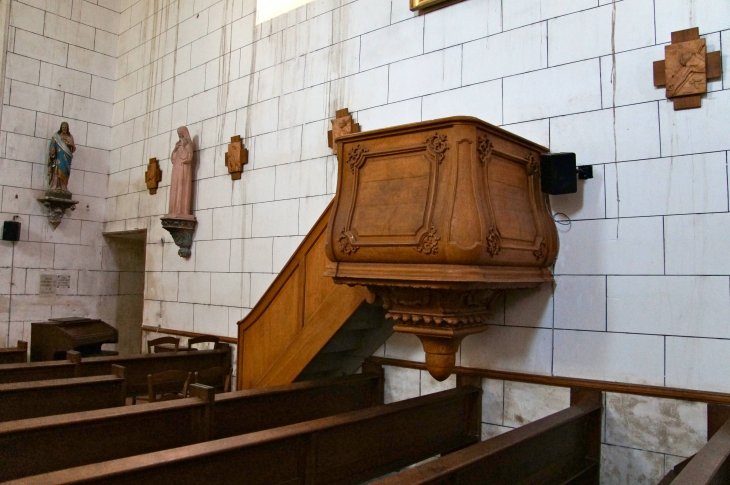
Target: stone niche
{"points": [[436, 219]]}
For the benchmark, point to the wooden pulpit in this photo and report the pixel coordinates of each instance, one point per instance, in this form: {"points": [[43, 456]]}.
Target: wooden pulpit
{"points": [[436, 218]]}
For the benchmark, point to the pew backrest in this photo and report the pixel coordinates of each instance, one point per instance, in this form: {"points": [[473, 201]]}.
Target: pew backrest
{"points": [[137, 366], [15, 355], [32, 446], [344, 449], [24, 400], [252, 410], [115, 433], [550, 451], [37, 371]]}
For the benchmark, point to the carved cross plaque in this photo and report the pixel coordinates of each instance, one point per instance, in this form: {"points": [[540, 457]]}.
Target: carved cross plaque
{"points": [[686, 68], [341, 125], [236, 157], [153, 176]]}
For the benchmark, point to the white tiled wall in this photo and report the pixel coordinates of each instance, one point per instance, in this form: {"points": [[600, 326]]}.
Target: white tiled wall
{"points": [[61, 66], [642, 288]]}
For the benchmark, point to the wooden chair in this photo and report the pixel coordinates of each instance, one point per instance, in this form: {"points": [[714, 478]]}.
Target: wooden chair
{"points": [[171, 344], [218, 378], [203, 339], [171, 384]]}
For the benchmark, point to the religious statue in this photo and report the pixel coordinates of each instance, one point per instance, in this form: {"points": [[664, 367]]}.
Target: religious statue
{"points": [[60, 155], [179, 220]]}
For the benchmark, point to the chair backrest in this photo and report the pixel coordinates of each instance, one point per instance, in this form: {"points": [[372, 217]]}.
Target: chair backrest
{"points": [[216, 377], [170, 384], [203, 339], [152, 344]]}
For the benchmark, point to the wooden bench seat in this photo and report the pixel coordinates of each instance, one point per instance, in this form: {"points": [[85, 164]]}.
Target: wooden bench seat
{"points": [[41, 445], [563, 448], [23, 400], [344, 449]]}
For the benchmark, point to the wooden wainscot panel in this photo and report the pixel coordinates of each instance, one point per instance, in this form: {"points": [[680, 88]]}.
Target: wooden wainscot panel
{"points": [[436, 218]]}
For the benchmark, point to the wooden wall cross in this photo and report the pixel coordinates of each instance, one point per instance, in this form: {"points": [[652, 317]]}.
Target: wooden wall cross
{"points": [[153, 176], [686, 68], [236, 157], [341, 125]]}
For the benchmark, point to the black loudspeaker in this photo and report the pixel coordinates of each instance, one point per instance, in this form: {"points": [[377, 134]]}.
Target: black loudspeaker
{"points": [[11, 231], [558, 173]]}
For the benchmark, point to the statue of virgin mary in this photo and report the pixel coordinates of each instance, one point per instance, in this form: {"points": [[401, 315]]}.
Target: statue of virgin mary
{"points": [[60, 154]]}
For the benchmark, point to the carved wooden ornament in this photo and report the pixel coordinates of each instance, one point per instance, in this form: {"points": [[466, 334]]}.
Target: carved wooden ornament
{"points": [[236, 157], [436, 219], [686, 68], [153, 176], [341, 125]]}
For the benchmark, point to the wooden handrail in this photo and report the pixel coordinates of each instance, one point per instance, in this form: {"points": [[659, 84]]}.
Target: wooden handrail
{"points": [[184, 333], [606, 386]]}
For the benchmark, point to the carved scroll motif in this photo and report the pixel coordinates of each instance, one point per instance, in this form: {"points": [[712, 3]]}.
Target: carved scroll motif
{"points": [[494, 243], [485, 148], [428, 244], [345, 246], [356, 157], [436, 145], [533, 166], [541, 251]]}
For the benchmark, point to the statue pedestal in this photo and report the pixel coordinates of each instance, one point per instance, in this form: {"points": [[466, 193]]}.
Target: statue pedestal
{"points": [[180, 227], [57, 201]]}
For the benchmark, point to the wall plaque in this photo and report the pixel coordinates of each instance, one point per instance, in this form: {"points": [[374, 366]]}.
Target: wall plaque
{"points": [[342, 125], [50, 282], [153, 176], [686, 68], [236, 157]]}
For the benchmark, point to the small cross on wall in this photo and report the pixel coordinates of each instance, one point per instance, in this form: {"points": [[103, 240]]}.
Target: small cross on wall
{"points": [[686, 68], [341, 125]]}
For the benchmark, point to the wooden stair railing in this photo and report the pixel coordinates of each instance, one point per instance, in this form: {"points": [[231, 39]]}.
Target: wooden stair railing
{"points": [[295, 318]]}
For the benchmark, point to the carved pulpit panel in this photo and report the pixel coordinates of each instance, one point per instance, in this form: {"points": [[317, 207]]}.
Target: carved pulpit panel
{"points": [[437, 218], [341, 125], [153, 176], [686, 68], [236, 157]]}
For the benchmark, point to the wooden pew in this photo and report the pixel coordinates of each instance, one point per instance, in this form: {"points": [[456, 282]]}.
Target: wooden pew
{"points": [[563, 448], [24, 400], [40, 445], [711, 465], [97, 436], [140, 365], [137, 366], [344, 449], [15, 355]]}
